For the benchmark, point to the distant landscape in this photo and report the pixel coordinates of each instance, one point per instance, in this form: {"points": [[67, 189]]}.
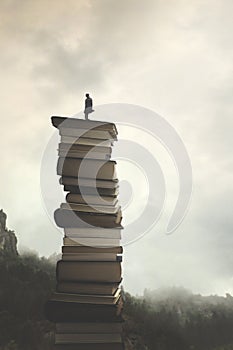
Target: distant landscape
{"points": [[168, 319]]}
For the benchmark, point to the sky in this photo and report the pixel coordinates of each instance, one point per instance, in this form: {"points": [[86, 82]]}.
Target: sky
{"points": [[172, 57]]}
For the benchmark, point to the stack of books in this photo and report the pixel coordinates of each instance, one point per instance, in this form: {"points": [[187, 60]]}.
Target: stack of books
{"points": [[87, 304]]}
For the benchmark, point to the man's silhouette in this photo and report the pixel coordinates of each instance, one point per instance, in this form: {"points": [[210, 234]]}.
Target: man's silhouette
{"points": [[88, 106]]}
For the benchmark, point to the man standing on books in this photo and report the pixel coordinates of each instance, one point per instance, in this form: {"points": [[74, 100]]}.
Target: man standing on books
{"points": [[88, 106]]}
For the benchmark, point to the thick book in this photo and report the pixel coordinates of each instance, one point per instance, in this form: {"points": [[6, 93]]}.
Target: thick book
{"points": [[90, 327], [87, 298], [90, 241], [84, 182], [72, 218], [94, 250], [74, 123], [90, 199], [70, 147], [90, 208], [93, 232], [111, 192], [106, 346], [81, 155], [86, 141], [86, 168], [90, 133], [91, 257], [88, 288], [79, 338], [63, 311], [88, 271]]}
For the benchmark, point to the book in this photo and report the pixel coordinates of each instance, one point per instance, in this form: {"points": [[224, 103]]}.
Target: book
{"points": [[70, 147], [80, 155], [86, 141], [85, 190], [106, 346], [77, 338], [88, 287], [87, 298], [88, 271], [74, 123], [90, 208], [86, 168], [110, 327], [90, 199], [84, 151], [82, 182], [73, 218], [93, 250], [94, 133], [63, 311], [93, 232], [91, 257], [90, 241]]}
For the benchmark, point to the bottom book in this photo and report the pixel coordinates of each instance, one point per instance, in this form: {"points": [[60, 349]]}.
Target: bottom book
{"points": [[109, 346]]}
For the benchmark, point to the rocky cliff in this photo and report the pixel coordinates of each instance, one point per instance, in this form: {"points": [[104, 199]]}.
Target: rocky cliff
{"points": [[8, 240]]}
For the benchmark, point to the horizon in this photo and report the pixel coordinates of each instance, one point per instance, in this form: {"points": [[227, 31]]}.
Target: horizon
{"points": [[25, 251]]}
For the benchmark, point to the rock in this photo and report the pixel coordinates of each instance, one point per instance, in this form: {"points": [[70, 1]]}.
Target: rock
{"points": [[8, 240]]}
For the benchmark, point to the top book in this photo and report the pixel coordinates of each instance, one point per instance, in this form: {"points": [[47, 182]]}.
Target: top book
{"points": [[73, 123]]}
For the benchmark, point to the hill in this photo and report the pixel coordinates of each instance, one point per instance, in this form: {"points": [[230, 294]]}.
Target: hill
{"points": [[176, 319], [165, 319], [26, 283]]}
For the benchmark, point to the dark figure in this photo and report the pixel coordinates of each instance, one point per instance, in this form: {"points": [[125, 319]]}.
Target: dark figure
{"points": [[88, 106]]}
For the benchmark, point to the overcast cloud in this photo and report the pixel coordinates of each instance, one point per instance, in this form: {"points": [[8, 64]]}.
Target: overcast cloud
{"points": [[174, 57]]}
